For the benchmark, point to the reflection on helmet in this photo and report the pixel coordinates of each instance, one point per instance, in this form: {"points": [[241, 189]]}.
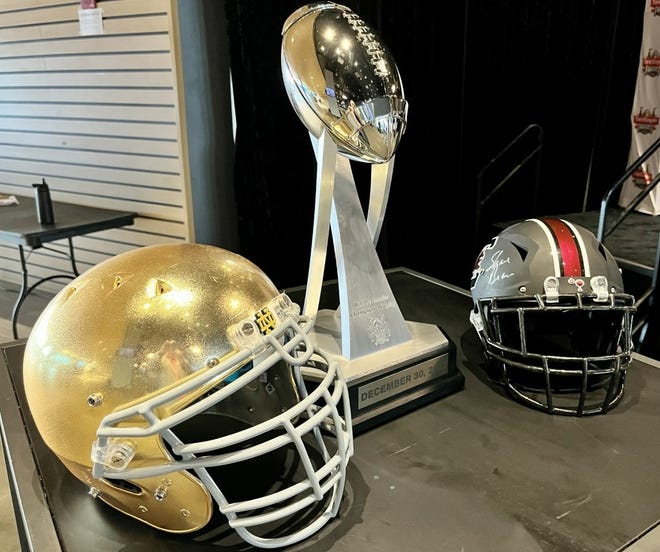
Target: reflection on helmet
{"points": [[552, 317], [173, 375]]}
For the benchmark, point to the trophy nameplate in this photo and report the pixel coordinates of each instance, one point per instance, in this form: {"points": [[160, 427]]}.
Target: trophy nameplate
{"points": [[345, 87]]}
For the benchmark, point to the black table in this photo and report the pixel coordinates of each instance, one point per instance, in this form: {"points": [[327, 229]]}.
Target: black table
{"points": [[473, 471], [19, 226]]}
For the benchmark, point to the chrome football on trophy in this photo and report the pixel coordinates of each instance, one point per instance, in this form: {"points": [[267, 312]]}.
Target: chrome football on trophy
{"points": [[341, 78], [345, 87]]}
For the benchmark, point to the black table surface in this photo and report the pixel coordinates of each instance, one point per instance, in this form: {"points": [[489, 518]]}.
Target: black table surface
{"points": [[19, 224], [472, 472]]}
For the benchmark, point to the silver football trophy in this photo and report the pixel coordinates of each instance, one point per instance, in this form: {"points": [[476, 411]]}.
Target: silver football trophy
{"points": [[346, 89]]}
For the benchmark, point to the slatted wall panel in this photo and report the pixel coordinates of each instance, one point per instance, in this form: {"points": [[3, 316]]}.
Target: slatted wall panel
{"points": [[99, 117]]}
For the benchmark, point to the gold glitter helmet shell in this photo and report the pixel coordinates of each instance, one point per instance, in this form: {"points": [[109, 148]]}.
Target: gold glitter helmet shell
{"points": [[157, 372]]}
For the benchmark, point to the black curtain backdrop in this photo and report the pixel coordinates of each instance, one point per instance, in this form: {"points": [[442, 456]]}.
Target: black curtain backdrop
{"points": [[476, 74]]}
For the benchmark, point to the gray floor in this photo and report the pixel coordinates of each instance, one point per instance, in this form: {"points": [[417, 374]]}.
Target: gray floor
{"points": [[28, 315]]}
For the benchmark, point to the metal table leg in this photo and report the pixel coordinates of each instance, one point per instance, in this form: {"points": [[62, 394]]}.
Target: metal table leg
{"points": [[25, 290]]}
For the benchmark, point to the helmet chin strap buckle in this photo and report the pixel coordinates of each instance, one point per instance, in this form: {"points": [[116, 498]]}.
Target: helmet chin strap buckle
{"points": [[551, 288], [113, 454], [475, 319], [599, 287]]}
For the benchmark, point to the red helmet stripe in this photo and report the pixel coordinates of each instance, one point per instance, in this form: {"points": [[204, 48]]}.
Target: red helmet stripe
{"points": [[570, 255]]}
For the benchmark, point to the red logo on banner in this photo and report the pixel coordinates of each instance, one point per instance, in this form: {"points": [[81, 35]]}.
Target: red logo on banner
{"points": [[651, 63], [641, 178], [655, 7], [645, 121]]}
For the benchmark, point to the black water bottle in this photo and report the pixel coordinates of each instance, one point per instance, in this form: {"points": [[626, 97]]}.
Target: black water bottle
{"points": [[44, 203]]}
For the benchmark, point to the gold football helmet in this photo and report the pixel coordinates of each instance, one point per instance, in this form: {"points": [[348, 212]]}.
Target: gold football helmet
{"points": [[165, 377]]}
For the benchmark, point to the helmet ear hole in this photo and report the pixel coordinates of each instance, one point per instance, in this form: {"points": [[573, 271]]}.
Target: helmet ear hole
{"points": [[124, 485]]}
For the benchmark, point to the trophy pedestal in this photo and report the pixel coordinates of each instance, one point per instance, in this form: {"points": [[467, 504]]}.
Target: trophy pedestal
{"points": [[392, 381]]}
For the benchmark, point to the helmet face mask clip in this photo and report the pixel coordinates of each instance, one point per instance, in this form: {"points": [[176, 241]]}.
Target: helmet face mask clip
{"points": [[553, 319]]}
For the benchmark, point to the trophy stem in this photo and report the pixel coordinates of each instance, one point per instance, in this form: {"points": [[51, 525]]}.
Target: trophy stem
{"points": [[369, 314], [381, 179], [325, 150]]}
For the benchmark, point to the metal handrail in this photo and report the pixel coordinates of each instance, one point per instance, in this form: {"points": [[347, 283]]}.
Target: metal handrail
{"points": [[601, 232], [650, 295], [481, 201]]}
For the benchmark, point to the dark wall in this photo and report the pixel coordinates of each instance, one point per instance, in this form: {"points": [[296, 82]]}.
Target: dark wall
{"points": [[476, 74], [207, 83]]}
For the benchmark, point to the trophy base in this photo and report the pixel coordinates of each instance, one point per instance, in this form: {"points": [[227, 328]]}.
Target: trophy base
{"points": [[388, 383]]}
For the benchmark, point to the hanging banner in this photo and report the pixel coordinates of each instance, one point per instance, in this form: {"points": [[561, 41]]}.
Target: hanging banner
{"points": [[645, 116]]}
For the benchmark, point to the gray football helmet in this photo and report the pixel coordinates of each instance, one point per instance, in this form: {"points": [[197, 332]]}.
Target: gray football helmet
{"points": [[552, 316]]}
